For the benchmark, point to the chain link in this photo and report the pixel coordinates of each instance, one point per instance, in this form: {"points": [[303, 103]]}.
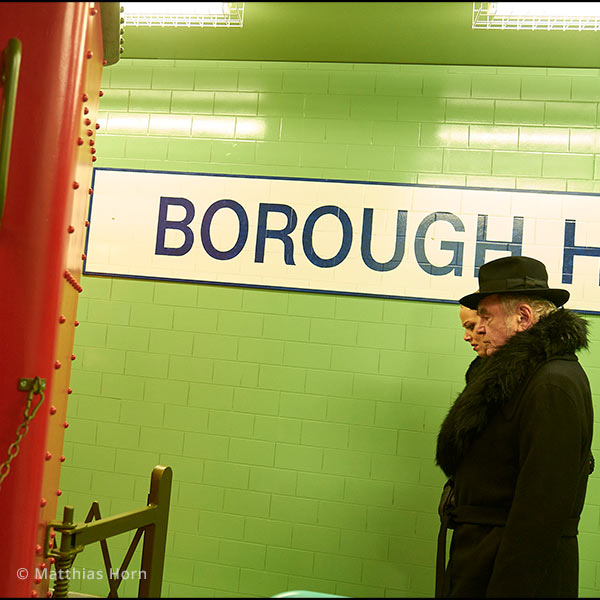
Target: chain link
{"points": [[35, 386]]}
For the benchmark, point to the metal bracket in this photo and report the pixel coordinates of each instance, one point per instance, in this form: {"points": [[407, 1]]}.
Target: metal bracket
{"points": [[26, 385]]}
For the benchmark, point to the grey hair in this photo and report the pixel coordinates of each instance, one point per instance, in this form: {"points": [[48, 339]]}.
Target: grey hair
{"points": [[541, 306]]}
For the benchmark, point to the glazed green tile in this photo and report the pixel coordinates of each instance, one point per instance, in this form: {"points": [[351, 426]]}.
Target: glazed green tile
{"points": [[168, 392], [305, 81], [290, 561], [490, 137], [96, 287], [469, 110], [145, 147], [82, 430], [278, 153], [242, 554], [373, 108], [546, 88], [192, 319], [447, 85], [118, 435], [376, 387], [171, 342], [418, 159], [127, 123], [443, 135], [233, 152], [111, 146], [421, 109], [148, 101], [395, 468], [104, 360], [127, 338], [186, 418], [235, 373], [370, 157], [77, 480], [324, 382], [315, 537], [495, 86], [216, 79], [517, 163], [346, 462], [351, 411], [188, 150], [300, 458], [260, 80], [340, 514], [258, 128], [236, 103], [261, 584], [585, 89], [142, 413], [134, 462], [327, 155], [268, 531], [198, 103], [277, 481], [584, 141], [131, 77], [417, 552], [297, 129], [351, 82], [210, 126], [326, 435], [324, 106], [226, 474], [207, 446], [356, 360], [302, 406], [344, 131], [363, 544], [578, 166], [185, 368], [467, 161], [320, 486], [396, 83], [298, 354], [372, 439], [282, 105], [274, 377], [395, 133], [114, 100], [545, 139], [208, 345], [571, 114], [85, 382], [252, 452], [221, 577], [294, 510], [262, 402], [519, 112], [172, 79], [169, 125], [90, 334]]}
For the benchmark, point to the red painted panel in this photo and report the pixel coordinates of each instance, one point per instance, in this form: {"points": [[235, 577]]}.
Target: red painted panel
{"points": [[36, 246]]}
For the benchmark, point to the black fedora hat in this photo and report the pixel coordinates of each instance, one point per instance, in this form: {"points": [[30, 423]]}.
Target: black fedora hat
{"points": [[514, 275]]}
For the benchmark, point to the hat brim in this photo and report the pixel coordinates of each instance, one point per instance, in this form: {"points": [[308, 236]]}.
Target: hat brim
{"points": [[557, 297]]}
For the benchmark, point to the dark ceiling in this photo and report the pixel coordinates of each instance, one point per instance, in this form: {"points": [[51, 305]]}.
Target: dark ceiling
{"points": [[366, 32]]}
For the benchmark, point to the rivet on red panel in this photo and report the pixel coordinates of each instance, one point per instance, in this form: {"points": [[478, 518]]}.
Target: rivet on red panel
{"points": [[62, 459], [100, 93], [85, 97], [93, 11], [75, 185], [65, 425], [87, 223], [87, 121], [89, 132], [38, 549], [94, 158], [97, 125], [48, 456], [89, 54], [86, 110], [59, 492], [43, 502], [83, 257], [62, 319], [53, 410], [57, 364], [69, 391], [76, 323], [92, 142], [73, 357], [70, 229], [79, 141]]}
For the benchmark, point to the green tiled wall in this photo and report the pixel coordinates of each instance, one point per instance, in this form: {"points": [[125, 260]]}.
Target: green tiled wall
{"points": [[301, 427]]}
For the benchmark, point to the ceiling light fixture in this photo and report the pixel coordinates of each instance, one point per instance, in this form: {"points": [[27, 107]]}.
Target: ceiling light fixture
{"points": [[183, 14], [541, 16]]}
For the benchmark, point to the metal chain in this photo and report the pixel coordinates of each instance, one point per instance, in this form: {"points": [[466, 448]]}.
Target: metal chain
{"points": [[35, 386]]}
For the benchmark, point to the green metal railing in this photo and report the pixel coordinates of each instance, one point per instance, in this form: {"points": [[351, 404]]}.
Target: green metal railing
{"points": [[150, 521], [9, 80]]}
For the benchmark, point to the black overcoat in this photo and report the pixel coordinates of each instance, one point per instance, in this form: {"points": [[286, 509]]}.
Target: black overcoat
{"points": [[516, 446]]}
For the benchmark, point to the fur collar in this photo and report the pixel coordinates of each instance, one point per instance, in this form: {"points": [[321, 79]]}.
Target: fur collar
{"points": [[503, 375]]}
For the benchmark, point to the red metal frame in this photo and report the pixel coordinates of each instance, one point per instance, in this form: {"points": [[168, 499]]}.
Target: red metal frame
{"points": [[41, 241]]}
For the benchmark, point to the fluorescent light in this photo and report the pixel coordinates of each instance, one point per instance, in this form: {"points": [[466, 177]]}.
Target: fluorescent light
{"points": [[541, 16], [183, 14]]}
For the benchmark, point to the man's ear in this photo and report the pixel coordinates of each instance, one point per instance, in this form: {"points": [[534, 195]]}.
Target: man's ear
{"points": [[525, 317]]}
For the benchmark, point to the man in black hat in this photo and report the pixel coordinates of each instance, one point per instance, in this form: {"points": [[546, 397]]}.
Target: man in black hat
{"points": [[515, 445]]}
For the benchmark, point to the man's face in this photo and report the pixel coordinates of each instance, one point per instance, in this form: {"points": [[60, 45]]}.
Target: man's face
{"points": [[468, 319], [493, 324]]}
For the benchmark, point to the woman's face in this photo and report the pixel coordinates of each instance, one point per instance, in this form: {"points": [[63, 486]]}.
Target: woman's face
{"points": [[468, 319]]}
